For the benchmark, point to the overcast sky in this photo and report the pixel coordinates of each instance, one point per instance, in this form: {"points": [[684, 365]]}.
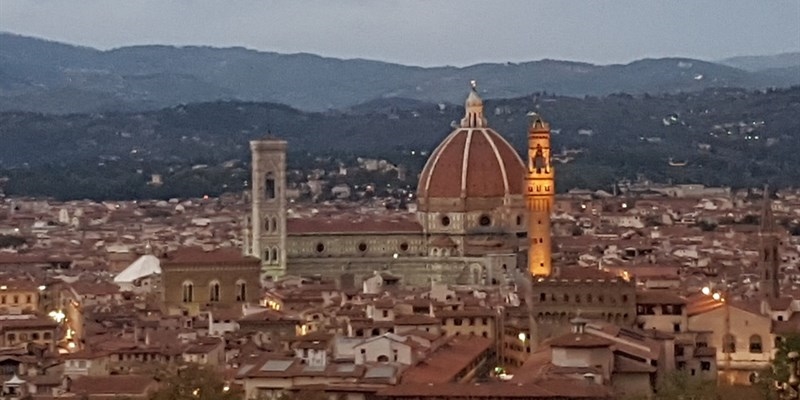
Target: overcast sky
{"points": [[451, 32]]}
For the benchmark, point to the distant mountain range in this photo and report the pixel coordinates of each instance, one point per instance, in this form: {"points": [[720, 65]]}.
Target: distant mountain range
{"points": [[49, 77]]}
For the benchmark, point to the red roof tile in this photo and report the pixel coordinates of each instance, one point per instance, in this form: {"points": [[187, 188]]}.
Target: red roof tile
{"points": [[198, 256]]}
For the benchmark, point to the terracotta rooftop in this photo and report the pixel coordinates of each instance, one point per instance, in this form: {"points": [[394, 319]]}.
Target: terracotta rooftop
{"points": [[580, 340], [198, 256], [447, 361], [659, 297], [551, 389], [471, 163], [118, 385], [354, 223]]}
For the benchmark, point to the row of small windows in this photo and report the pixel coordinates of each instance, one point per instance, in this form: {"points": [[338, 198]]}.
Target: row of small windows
{"points": [[588, 298], [729, 344], [188, 295], [15, 299], [11, 337], [483, 220], [362, 247]]}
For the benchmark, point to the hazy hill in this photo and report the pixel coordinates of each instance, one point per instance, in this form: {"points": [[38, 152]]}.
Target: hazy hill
{"points": [[43, 76], [726, 136], [760, 63]]}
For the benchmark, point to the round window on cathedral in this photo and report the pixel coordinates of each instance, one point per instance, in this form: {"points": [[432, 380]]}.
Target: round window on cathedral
{"points": [[362, 247], [320, 247], [484, 220], [404, 246], [445, 221]]}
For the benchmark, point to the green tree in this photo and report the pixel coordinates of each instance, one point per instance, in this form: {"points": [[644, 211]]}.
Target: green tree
{"points": [[194, 382], [778, 372]]}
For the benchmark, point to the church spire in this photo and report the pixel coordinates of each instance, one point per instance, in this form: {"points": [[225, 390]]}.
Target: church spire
{"points": [[474, 109]]}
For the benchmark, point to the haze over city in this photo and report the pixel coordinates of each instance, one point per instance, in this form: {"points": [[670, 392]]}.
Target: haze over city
{"points": [[427, 33]]}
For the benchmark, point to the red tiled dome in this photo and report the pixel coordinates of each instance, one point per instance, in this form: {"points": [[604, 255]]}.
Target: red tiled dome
{"points": [[474, 162], [471, 163]]}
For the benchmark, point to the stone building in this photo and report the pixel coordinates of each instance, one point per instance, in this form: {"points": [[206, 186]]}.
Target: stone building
{"points": [[195, 279]]}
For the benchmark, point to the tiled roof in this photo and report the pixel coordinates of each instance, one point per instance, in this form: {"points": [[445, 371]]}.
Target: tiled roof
{"points": [[447, 361], [659, 297], [471, 163], [403, 223], [198, 256], [580, 340], [120, 385], [551, 389]]}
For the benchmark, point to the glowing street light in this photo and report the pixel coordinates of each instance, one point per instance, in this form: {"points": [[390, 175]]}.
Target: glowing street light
{"points": [[716, 296], [57, 316], [522, 336], [706, 290]]}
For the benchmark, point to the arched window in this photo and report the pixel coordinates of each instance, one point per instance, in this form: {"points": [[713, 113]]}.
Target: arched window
{"points": [[755, 344], [213, 292], [383, 358], [274, 257], [273, 224], [729, 343], [11, 338], [241, 290], [188, 292]]}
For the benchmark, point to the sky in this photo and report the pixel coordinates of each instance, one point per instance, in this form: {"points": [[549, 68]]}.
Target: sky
{"points": [[426, 33]]}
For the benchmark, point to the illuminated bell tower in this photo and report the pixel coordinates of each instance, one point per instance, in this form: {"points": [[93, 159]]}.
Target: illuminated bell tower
{"points": [[539, 194]]}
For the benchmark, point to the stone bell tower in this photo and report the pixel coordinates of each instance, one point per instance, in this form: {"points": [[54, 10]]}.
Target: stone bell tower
{"points": [[539, 197], [769, 260], [268, 200]]}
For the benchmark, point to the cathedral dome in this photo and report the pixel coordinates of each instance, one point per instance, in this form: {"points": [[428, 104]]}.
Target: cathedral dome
{"points": [[472, 163]]}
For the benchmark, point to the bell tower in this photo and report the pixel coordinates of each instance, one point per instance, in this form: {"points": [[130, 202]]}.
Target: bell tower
{"points": [[539, 195], [268, 201], [769, 261]]}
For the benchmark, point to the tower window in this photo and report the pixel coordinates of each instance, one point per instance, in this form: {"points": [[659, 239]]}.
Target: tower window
{"points": [[445, 221], [269, 187], [362, 247], [519, 220], [484, 220], [404, 246], [274, 255], [320, 247]]}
